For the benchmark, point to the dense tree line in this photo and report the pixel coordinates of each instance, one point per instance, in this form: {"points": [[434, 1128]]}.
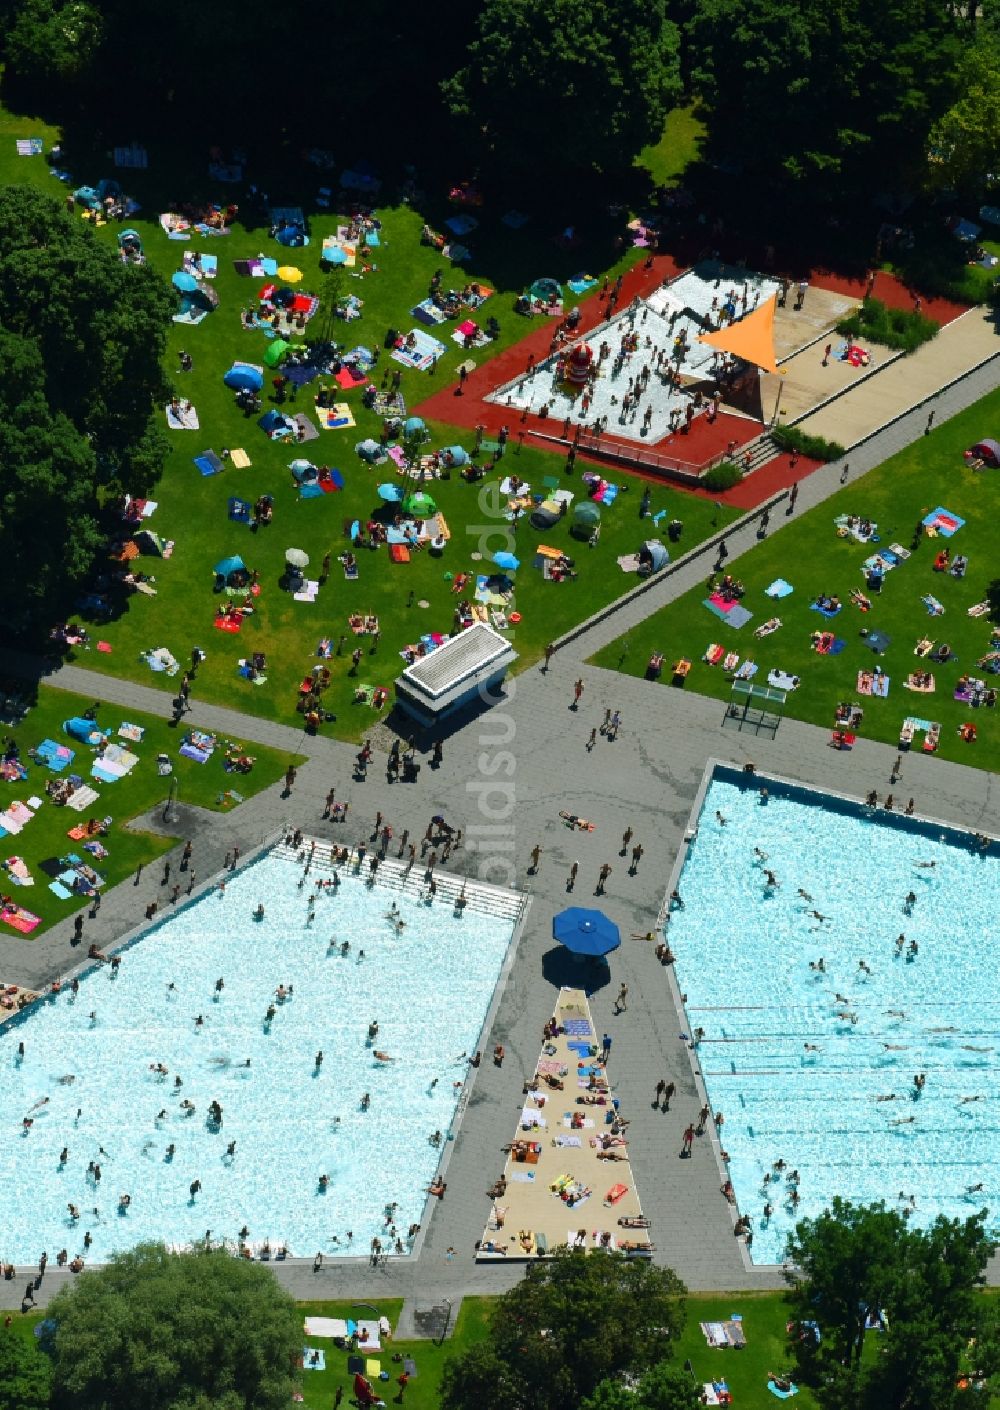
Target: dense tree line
{"points": [[81, 340], [840, 100]]}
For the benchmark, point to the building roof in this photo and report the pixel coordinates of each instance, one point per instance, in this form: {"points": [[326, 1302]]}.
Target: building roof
{"points": [[461, 661]]}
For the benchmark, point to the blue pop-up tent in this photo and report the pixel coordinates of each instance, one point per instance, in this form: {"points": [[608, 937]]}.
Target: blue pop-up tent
{"points": [[241, 377]]}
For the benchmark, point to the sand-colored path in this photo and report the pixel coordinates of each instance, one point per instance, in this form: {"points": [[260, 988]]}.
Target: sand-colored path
{"points": [[959, 347]]}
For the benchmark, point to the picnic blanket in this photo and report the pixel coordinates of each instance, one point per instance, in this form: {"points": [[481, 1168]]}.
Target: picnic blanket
{"points": [[423, 353], [732, 613], [182, 419], [943, 521], [873, 683], [334, 418]]}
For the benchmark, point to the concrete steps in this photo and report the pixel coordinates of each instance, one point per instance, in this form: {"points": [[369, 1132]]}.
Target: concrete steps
{"points": [[394, 875]]}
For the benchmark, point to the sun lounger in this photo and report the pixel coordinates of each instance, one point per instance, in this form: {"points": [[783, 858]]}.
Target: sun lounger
{"points": [[616, 1193]]}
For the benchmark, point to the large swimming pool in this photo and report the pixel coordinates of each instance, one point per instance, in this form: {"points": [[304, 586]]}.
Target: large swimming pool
{"points": [[86, 1077], [812, 1063]]}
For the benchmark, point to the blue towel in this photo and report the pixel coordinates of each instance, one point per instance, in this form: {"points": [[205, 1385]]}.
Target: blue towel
{"points": [[308, 1364], [372, 240], [782, 1394], [582, 1048], [60, 890], [838, 645], [311, 491], [825, 611], [206, 466], [579, 1027]]}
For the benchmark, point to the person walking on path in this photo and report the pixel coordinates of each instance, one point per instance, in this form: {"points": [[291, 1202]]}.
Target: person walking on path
{"points": [[659, 1093], [290, 776], [792, 498], [605, 1048], [844, 474], [687, 1144], [930, 423], [577, 692], [572, 876], [536, 853], [627, 836], [549, 653], [592, 740], [603, 875], [897, 769], [621, 1003], [703, 1116], [636, 859], [328, 805], [186, 855], [668, 1093], [324, 571]]}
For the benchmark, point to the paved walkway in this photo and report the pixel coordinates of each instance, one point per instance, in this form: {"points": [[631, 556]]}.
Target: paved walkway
{"points": [[908, 382], [647, 780]]}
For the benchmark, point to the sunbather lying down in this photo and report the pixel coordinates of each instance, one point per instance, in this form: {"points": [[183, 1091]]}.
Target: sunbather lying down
{"points": [[572, 820], [766, 628], [924, 647]]}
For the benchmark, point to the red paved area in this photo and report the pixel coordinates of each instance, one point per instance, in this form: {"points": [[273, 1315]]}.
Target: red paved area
{"points": [[891, 291], [683, 452], [703, 443]]}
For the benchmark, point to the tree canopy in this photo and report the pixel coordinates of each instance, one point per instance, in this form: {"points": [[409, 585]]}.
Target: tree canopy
{"points": [[662, 1387], [571, 1323], [571, 85], [81, 342], [25, 1373], [854, 1261], [965, 141], [836, 98], [197, 1331]]}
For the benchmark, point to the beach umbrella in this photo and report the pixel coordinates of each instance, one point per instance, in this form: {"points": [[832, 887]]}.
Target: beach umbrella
{"points": [[589, 934], [412, 425], [296, 557], [183, 281], [289, 273], [419, 503], [392, 494], [241, 377], [275, 352], [225, 566], [506, 560]]}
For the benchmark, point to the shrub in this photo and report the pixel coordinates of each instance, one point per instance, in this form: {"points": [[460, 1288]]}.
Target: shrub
{"points": [[892, 327], [815, 447], [722, 476]]}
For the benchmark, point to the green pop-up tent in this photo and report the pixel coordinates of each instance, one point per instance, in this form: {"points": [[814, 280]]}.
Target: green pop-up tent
{"points": [[275, 353]]}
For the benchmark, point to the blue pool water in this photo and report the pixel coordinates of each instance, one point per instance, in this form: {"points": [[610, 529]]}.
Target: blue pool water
{"points": [[743, 953], [429, 987]]}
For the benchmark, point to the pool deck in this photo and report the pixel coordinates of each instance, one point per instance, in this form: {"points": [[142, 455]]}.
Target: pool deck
{"points": [[648, 779]]}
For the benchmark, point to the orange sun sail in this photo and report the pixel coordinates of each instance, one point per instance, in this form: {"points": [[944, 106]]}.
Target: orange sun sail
{"points": [[752, 338]]}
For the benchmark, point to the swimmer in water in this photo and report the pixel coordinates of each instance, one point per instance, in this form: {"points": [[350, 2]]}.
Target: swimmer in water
{"points": [[818, 916], [925, 866], [887, 1097], [719, 818], [969, 1048], [895, 1047], [772, 880], [973, 1189], [805, 895], [903, 1121], [964, 1100], [761, 856], [65, 1081], [812, 1048]]}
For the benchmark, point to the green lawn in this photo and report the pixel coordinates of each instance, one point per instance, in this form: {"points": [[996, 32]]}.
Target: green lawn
{"points": [[765, 1316], [810, 556], [207, 785], [192, 510], [667, 159], [764, 1319]]}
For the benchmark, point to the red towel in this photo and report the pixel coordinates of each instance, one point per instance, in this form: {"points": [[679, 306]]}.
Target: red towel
{"points": [[228, 624]]}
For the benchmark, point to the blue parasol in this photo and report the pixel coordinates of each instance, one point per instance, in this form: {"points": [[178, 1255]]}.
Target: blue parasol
{"points": [[586, 933]]}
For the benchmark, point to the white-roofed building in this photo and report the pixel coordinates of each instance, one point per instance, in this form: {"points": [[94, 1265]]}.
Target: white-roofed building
{"points": [[451, 676]]}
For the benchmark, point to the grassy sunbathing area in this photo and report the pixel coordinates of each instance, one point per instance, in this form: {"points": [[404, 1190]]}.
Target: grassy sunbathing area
{"points": [[46, 872], [203, 518], [864, 653]]}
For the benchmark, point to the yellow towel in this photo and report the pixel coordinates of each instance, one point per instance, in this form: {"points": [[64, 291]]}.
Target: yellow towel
{"points": [[239, 458], [373, 1367]]}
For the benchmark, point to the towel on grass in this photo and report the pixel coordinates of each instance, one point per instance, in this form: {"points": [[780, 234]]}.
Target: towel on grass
{"points": [[313, 1359], [779, 588]]}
